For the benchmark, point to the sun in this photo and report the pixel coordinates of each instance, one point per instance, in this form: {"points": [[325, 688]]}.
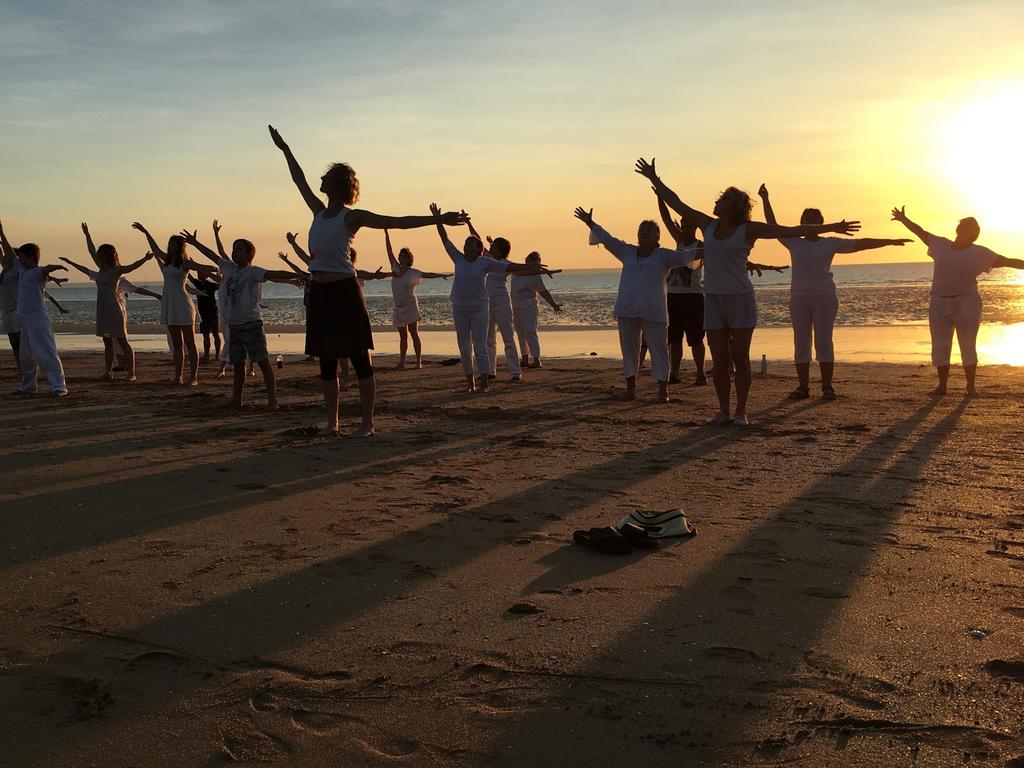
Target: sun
{"points": [[984, 157]]}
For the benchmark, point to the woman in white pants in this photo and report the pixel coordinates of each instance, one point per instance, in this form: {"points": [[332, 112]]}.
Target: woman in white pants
{"points": [[641, 304], [730, 307], [955, 303], [525, 291], [38, 347], [470, 304], [813, 301]]}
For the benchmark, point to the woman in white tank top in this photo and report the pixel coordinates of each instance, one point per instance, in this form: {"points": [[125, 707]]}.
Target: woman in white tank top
{"points": [[337, 325], [730, 312]]}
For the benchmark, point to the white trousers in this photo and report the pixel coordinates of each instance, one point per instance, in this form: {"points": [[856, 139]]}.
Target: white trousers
{"points": [[813, 313], [224, 343], [471, 333], [946, 315], [39, 350], [656, 334], [524, 317], [501, 319]]}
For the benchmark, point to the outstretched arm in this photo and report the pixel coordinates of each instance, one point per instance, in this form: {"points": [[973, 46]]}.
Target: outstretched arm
{"points": [[769, 212], [431, 275], [900, 215], [216, 239], [295, 268], [759, 268], [89, 244], [358, 218], [691, 215], [136, 264], [315, 203], [395, 266], [160, 256], [303, 256], [380, 274], [84, 270], [280, 276], [52, 268], [1005, 261], [435, 211], [759, 231], [870, 243], [193, 240], [55, 303]]}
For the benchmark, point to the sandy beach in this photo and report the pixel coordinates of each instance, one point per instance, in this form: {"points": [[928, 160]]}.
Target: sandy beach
{"points": [[189, 585]]}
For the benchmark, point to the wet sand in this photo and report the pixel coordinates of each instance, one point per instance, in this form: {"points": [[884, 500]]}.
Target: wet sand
{"points": [[184, 584]]}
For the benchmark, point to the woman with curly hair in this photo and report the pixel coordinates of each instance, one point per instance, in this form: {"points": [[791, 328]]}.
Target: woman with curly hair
{"points": [[337, 325], [730, 309]]}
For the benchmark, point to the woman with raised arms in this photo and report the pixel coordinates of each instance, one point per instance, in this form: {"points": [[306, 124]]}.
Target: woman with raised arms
{"points": [[404, 279], [337, 324], [730, 309]]}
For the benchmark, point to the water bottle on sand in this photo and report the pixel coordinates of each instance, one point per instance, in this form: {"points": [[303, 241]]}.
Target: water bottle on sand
{"points": [[280, 361], [764, 365]]}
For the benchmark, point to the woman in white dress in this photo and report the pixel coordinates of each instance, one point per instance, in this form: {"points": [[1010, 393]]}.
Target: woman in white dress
{"points": [[177, 310], [404, 279]]}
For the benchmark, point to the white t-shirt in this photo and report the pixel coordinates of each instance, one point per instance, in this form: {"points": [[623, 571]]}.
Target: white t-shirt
{"points": [[684, 279], [725, 261], [956, 272], [526, 288], [468, 285], [812, 261], [403, 287], [31, 284], [330, 243], [243, 295], [642, 287], [497, 285]]}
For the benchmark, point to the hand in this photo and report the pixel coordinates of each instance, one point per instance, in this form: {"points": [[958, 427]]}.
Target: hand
{"points": [[900, 241], [59, 280], [61, 258], [282, 256], [646, 169], [190, 237], [550, 272], [490, 240], [752, 268], [845, 227], [60, 266], [62, 310], [762, 191], [379, 274], [149, 255], [454, 218], [276, 138], [558, 309], [142, 229], [900, 214], [445, 277], [85, 228], [216, 227], [587, 217], [435, 210]]}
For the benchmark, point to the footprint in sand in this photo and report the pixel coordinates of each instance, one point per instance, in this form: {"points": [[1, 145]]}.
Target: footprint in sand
{"points": [[1018, 612], [253, 747], [732, 653], [323, 723], [389, 747]]}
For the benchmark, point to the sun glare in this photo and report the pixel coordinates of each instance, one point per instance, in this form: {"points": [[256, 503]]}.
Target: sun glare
{"points": [[983, 156]]}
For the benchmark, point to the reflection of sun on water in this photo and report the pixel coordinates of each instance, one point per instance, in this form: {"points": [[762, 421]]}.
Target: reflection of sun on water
{"points": [[1001, 344], [984, 157]]}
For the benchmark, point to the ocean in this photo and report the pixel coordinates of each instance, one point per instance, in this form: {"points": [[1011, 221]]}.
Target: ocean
{"points": [[870, 295]]}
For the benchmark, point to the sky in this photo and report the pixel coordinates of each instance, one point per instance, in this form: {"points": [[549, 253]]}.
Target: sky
{"points": [[516, 112]]}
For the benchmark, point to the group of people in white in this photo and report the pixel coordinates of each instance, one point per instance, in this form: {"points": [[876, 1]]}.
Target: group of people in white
{"points": [[665, 295]]}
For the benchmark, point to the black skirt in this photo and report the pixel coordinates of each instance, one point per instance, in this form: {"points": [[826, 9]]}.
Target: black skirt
{"points": [[337, 324]]}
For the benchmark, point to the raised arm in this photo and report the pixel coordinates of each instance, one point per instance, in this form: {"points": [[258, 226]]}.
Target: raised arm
{"points": [[756, 230], [357, 219], [192, 239], [89, 244], [395, 266], [769, 212], [84, 270], [291, 237], [900, 215], [216, 239], [435, 211], [136, 264], [155, 249], [666, 218], [314, 203], [692, 215], [7, 254], [284, 257]]}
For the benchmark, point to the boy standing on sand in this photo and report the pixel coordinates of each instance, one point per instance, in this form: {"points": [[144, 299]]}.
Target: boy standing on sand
{"points": [[244, 315]]}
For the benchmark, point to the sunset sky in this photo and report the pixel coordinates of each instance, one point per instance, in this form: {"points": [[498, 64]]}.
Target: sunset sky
{"points": [[517, 112]]}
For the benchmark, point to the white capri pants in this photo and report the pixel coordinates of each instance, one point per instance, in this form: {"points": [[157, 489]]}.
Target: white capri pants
{"points": [[471, 332], [656, 335], [954, 313], [225, 338], [501, 319], [813, 312], [39, 350], [524, 316]]}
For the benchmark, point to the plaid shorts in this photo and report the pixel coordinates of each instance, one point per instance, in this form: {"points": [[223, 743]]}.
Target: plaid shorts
{"points": [[729, 310], [249, 340]]}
